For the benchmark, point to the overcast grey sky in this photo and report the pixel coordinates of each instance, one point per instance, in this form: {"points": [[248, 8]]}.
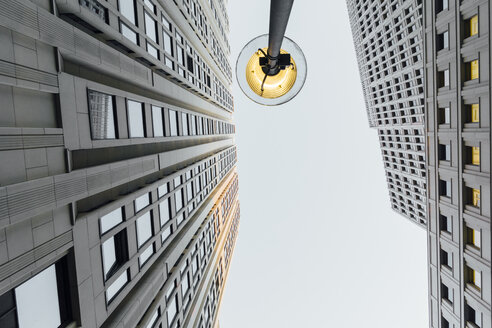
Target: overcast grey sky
{"points": [[318, 244]]}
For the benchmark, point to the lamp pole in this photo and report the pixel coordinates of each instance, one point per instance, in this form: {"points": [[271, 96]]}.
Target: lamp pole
{"points": [[279, 17]]}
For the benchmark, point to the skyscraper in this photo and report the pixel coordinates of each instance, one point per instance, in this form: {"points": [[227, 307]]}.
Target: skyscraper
{"points": [[457, 75], [118, 185], [388, 42]]}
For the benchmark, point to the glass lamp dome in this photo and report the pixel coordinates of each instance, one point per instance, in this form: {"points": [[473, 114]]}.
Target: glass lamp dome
{"points": [[270, 90]]}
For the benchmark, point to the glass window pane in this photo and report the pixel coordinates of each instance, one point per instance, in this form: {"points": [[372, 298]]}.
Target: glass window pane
{"points": [[157, 121], [178, 200], [153, 319], [146, 254], [172, 310], [162, 190], [101, 112], [111, 220], [173, 122], [184, 117], [135, 119], [168, 43], [108, 255], [127, 9], [37, 301], [144, 228], [166, 23], [166, 233], [152, 51], [128, 33], [164, 211], [142, 202], [177, 181], [116, 286], [150, 27]]}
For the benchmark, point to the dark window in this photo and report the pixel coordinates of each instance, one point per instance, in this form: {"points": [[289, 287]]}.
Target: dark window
{"points": [[114, 253]]}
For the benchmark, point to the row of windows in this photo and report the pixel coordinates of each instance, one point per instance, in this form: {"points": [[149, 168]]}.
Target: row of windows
{"points": [[167, 45], [176, 202], [193, 262], [165, 122], [42, 301]]}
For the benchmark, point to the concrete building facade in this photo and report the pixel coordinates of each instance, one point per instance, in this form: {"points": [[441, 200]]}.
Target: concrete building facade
{"points": [[388, 42], [457, 94], [118, 184]]}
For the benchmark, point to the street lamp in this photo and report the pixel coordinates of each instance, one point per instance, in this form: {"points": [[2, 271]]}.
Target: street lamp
{"points": [[271, 69]]}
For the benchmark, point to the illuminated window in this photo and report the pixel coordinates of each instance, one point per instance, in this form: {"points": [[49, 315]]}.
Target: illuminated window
{"points": [[473, 237], [471, 26], [476, 197], [474, 277], [472, 70], [475, 155], [472, 113]]}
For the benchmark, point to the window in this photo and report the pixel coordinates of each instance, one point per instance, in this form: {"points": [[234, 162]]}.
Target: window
{"points": [[471, 70], [474, 113], [166, 233], [185, 284], [473, 237], [445, 223], [101, 112], [152, 51], [441, 5], [163, 190], [446, 293], [445, 188], [189, 191], [114, 253], [142, 202], [445, 152], [150, 27], [476, 197], [168, 43], [116, 286], [164, 211], [172, 310], [41, 301], [444, 116], [153, 319], [443, 78], [145, 255], [474, 277], [177, 181], [157, 121], [150, 5], [135, 119], [128, 33], [127, 9], [444, 323], [475, 152], [166, 23], [178, 198], [471, 316], [446, 258], [110, 220], [144, 228], [184, 118], [471, 26], [173, 122], [442, 41]]}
